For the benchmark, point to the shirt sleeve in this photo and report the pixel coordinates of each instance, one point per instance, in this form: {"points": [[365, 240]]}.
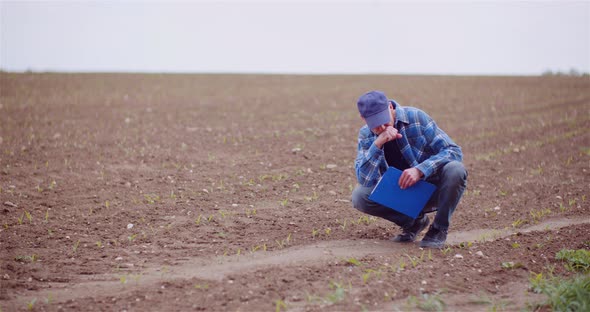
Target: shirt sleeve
{"points": [[370, 161], [443, 148]]}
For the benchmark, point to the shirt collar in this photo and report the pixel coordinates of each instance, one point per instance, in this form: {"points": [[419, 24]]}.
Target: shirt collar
{"points": [[400, 113]]}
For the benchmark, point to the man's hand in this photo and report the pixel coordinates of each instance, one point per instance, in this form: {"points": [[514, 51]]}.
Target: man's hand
{"points": [[410, 177], [389, 134]]}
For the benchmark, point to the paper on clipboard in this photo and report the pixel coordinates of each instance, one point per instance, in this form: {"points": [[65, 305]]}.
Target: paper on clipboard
{"points": [[409, 201]]}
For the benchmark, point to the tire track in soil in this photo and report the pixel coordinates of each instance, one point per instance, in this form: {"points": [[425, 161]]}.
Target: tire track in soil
{"points": [[218, 268]]}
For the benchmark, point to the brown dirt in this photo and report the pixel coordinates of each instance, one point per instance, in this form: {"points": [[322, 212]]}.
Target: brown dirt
{"points": [[238, 190]]}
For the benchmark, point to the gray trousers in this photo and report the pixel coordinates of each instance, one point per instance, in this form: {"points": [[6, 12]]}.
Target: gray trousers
{"points": [[450, 182]]}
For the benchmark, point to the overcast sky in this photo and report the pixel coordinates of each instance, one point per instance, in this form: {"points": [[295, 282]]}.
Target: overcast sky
{"points": [[461, 37]]}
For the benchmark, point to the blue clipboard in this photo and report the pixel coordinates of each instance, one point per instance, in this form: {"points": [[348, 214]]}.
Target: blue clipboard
{"points": [[410, 201]]}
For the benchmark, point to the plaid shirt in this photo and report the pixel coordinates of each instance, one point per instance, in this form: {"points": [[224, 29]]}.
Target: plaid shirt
{"points": [[423, 145]]}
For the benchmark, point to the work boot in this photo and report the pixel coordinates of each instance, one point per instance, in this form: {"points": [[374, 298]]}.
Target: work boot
{"points": [[434, 238], [409, 234]]}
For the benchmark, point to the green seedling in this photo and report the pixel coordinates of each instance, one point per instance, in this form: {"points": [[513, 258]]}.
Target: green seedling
{"points": [[32, 258], [314, 232], [353, 261], [515, 245], [132, 237], [428, 302], [502, 193], [31, 304], [20, 219], [239, 252], [518, 223], [210, 218], [402, 264], [198, 220], [576, 260], [172, 195], [47, 216], [107, 204], [250, 212], [151, 198], [284, 202], [572, 202], [123, 279], [76, 244], [537, 215], [338, 293], [313, 197], [39, 189], [465, 245], [328, 231], [52, 185], [99, 244], [29, 217], [413, 260], [280, 304], [201, 286], [445, 251], [511, 265], [343, 225]]}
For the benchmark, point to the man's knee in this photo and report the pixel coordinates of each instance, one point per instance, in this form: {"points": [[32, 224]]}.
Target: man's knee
{"points": [[455, 172], [360, 197]]}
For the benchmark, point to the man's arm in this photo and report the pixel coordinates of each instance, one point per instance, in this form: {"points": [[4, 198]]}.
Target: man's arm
{"points": [[442, 146], [369, 159]]}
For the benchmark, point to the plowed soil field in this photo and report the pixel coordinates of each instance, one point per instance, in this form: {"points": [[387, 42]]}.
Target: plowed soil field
{"points": [[148, 192]]}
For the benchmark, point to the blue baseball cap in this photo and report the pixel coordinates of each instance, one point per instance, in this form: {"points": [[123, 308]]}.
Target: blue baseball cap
{"points": [[374, 108]]}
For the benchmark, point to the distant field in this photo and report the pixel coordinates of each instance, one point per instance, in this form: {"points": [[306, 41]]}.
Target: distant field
{"points": [[232, 192]]}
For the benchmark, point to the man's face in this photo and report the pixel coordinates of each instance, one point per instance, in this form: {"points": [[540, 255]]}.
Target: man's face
{"points": [[381, 128]]}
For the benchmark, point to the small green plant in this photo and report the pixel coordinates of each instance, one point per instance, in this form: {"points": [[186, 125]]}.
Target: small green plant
{"points": [[515, 245], [313, 197], [338, 293], [75, 247], [280, 304], [427, 302], [314, 232], [414, 260], [29, 217], [353, 261], [201, 286], [31, 304], [465, 245], [564, 294], [401, 265], [518, 223], [510, 265], [576, 260], [343, 225], [445, 251], [47, 216], [284, 202], [537, 215], [99, 244]]}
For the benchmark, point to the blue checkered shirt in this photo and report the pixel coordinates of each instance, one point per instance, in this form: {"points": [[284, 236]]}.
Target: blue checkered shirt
{"points": [[423, 145]]}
